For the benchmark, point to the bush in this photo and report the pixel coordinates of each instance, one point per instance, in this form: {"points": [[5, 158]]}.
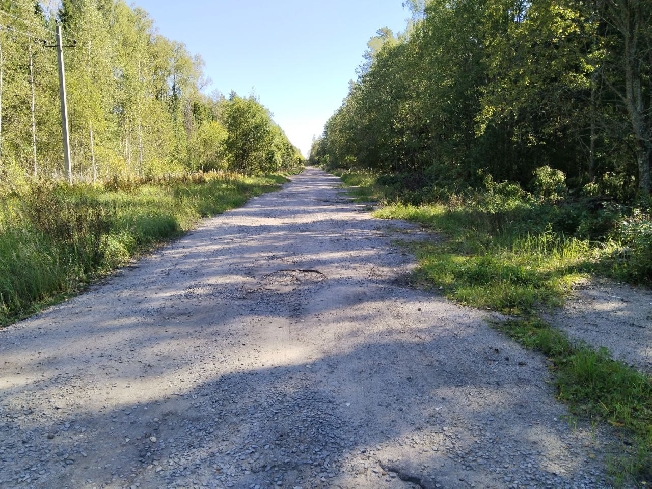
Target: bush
{"points": [[618, 186], [635, 236], [549, 184]]}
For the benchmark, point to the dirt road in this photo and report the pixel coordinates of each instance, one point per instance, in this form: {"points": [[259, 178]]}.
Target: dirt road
{"points": [[278, 345]]}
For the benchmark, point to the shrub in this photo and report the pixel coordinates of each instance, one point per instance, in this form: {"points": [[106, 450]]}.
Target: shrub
{"points": [[549, 184], [502, 197], [635, 236], [618, 186]]}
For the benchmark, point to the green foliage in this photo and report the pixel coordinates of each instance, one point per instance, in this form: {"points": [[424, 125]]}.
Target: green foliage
{"points": [[135, 100], [618, 186], [632, 257], [507, 89], [549, 184], [55, 237], [254, 143], [207, 147], [501, 197]]}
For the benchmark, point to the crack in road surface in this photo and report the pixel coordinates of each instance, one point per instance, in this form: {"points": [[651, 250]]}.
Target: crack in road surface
{"points": [[277, 346]]}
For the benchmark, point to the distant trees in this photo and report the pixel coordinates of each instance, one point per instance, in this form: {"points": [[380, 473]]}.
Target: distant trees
{"points": [[253, 139], [503, 87], [135, 99]]}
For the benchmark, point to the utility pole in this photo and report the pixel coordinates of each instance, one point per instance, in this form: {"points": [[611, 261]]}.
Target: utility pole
{"points": [[2, 63], [64, 107], [31, 82]]}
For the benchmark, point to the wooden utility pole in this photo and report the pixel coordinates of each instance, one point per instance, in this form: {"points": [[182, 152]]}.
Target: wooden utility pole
{"points": [[31, 82], [2, 62], [64, 107]]}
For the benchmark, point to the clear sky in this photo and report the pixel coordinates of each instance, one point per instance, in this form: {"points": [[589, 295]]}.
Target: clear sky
{"points": [[296, 56]]}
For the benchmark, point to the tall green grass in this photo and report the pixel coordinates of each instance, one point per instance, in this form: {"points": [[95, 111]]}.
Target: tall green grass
{"points": [[362, 186], [486, 264], [55, 237]]}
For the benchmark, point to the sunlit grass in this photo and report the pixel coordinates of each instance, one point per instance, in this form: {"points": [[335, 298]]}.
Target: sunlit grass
{"points": [[55, 237], [508, 273], [362, 186]]}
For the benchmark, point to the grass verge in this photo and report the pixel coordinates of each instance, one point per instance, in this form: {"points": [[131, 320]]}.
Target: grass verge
{"points": [[507, 252], [363, 186], [55, 238]]}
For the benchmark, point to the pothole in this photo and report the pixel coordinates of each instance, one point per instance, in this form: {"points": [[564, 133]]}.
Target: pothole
{"points": [[287, 280]]}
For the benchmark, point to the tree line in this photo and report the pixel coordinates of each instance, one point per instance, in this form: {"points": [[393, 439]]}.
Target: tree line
{"points": [[477, 88], [136, 100]]}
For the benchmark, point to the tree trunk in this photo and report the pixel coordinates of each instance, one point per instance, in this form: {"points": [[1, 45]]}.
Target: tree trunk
{"points": [[141, 150], [93, 163], [2, 64], [631, 29], [594, 134], [644, 166], [128, 151], [640, 124]]}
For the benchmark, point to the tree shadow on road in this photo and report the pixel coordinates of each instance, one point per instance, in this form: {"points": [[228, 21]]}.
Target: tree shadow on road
{"points": [[256, 352]]}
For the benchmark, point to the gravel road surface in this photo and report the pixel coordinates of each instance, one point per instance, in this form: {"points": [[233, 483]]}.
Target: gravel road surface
{"points": [[279, 345], [609, 315]]}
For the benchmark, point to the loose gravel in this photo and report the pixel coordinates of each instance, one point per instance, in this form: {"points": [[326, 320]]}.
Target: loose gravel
{"points": [[279, 345], [610, 315]]}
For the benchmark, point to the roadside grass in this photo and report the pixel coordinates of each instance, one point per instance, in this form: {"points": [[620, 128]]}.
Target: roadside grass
{"points": [[362, 186], [499, 270], [55, 237], [509, 252]]}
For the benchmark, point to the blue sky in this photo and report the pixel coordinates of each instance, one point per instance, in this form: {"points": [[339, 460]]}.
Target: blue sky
{"points": [[297, 56]]}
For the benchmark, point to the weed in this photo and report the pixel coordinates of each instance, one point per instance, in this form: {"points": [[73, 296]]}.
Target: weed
{"points": [[55, 237]]}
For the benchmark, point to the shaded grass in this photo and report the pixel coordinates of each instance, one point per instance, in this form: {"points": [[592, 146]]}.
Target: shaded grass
{"points": [[508, 252], [55, 238]]}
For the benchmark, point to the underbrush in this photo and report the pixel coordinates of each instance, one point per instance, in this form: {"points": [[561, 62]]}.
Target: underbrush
{"points": [[55, 237], [517, 252]]}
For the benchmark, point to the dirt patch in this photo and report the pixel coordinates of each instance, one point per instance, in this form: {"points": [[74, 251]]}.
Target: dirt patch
{"points": [[277, 346]]}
